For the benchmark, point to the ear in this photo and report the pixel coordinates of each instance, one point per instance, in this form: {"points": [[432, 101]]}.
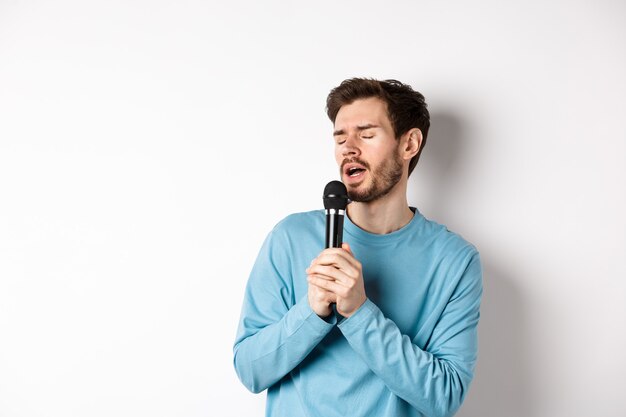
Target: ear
{"points": [[411, 143]]}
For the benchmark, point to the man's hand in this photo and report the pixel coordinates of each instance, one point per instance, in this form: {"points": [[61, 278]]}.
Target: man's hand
{"points": [[337, 272], [320, 300]]}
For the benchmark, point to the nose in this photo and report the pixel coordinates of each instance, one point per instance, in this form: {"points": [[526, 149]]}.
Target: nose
{"points": [[350, 147]]}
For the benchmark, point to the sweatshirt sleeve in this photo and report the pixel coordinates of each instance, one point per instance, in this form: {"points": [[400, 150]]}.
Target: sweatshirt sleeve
{"points": [[434, 380], [275, 333]]}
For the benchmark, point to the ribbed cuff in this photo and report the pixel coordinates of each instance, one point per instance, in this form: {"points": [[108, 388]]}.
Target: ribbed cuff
{"points": [[305, 313], [364, 314]]}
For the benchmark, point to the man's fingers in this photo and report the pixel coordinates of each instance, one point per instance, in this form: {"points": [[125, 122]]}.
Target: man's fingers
{"points": [[341, 259], [346, 246], [330, 273], [328, 285]]}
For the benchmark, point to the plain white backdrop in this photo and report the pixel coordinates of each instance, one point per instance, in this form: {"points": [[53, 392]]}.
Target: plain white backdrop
{"points": [[147, 148]]}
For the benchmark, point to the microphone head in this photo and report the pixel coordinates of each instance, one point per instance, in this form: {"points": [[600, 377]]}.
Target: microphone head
{"points": [[335, 196]]}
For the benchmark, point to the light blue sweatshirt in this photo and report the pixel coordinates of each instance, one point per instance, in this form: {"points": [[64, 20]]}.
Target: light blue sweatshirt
{"points": [[410, 350]]}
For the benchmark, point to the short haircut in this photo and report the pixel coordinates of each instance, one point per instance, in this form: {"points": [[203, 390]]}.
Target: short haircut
{"points": [[406, 107]]}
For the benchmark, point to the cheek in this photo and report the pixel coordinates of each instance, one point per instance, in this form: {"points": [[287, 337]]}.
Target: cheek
{"points": [[338, 156]]}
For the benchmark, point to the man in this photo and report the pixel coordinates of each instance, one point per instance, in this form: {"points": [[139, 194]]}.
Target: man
{"points": [[403, 338]]}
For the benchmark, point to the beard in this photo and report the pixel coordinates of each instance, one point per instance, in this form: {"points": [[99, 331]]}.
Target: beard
{"points": [[383, 179]]}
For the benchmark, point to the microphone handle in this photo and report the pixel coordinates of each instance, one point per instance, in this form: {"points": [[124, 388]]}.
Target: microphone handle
{"points": [[334, 228], [334, 235]]}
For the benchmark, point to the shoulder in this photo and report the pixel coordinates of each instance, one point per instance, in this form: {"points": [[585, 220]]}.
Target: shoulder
{"points": [[300, 219], [300, 224], [455, 258], [448, 244]]}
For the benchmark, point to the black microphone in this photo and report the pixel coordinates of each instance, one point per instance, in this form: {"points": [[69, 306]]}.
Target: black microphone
{"points": [[335, 202]]}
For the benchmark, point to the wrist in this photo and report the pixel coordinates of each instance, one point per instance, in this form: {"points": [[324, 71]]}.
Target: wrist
{"points": [[347, 314]]}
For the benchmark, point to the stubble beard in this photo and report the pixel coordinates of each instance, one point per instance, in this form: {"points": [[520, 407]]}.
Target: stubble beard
{"points": [[383, 179]]}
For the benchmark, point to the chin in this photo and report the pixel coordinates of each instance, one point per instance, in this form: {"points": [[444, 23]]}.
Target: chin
{"points": [[356, 188]]}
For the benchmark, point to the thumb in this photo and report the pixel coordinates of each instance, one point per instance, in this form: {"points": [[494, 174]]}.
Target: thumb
{"points": [[347, 248]]}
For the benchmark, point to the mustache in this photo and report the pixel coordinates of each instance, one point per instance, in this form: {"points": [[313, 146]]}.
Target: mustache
{"points": [[354, 160]]}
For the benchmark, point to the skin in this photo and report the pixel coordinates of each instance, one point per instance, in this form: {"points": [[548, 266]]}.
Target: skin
{"points": [[362, 132]]}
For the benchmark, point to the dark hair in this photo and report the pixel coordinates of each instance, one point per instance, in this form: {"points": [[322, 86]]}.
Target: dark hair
{"points": [[406, 107]]}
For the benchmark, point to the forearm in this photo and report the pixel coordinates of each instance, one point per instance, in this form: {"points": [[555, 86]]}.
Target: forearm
{"points": [[263, 356], [433, 385]]}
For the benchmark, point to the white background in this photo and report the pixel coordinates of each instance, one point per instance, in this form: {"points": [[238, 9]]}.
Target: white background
{"points": [[147, 148]]}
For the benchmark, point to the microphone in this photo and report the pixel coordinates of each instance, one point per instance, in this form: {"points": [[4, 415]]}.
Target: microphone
{"points": [[335, 202]]}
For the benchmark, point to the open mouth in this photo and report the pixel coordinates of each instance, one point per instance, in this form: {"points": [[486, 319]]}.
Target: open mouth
{"points": [[354, 171]]}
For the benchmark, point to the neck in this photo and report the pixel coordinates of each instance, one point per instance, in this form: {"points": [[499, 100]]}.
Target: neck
{"points": [[385, 215]]}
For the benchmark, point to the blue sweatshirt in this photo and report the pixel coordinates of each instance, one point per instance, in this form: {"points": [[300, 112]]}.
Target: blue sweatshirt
{"points": [[410, 350]]}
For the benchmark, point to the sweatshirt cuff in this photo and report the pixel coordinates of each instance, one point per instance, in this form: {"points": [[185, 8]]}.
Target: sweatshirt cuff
{"points": [[364, 314], [305, 313]]}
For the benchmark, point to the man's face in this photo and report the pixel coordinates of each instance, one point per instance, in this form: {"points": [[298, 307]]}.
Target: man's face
{"points": [[366, 150]]}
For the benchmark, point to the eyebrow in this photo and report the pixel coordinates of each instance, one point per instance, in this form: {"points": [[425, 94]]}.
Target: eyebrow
{"points": [[359, 128]]}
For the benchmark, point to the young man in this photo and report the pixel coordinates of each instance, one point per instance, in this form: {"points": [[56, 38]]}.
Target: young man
{"points": [[403, 339]]}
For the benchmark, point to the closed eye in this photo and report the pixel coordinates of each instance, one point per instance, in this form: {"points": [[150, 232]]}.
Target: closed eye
{"points": [[368, 133]]}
